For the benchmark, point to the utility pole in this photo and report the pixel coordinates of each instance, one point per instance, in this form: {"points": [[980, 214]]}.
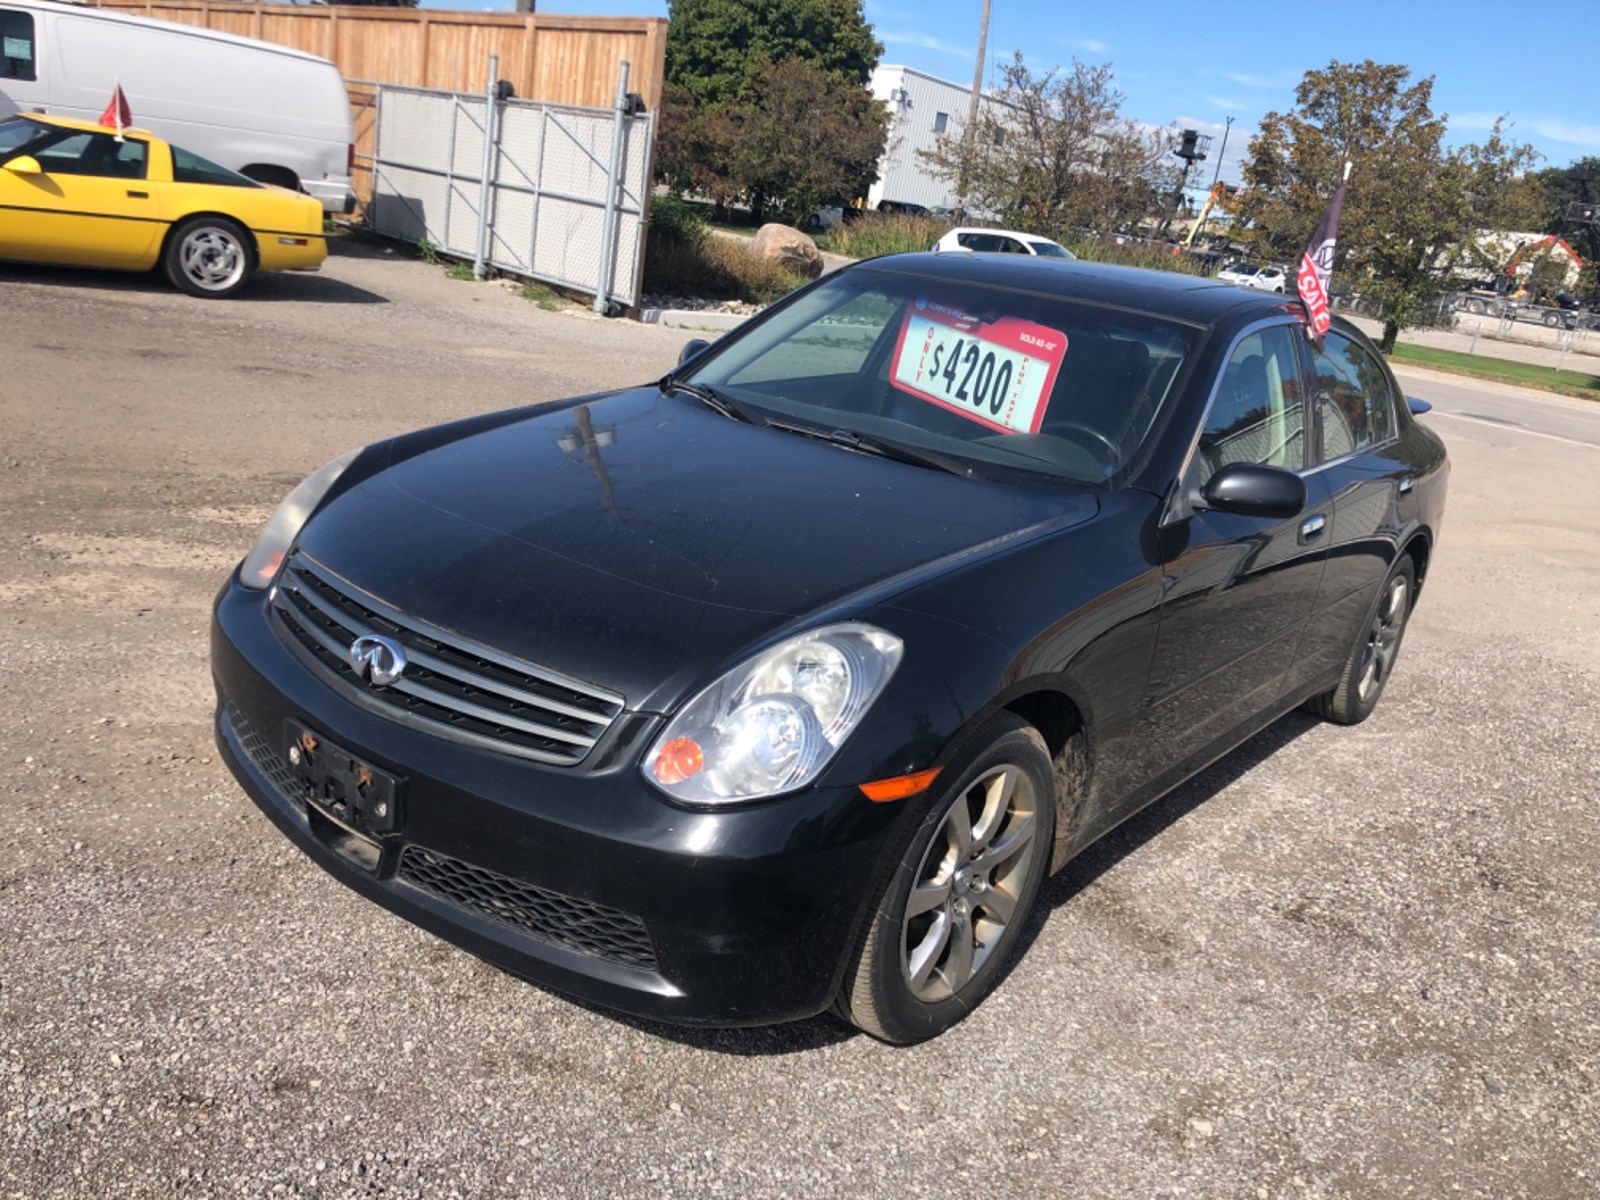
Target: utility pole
{"points": [[972, 112]]}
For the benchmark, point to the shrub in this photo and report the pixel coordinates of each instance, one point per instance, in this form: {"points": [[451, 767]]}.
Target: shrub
{"points": [[1149, 255], [714, 268], [876, 233], [673, 219]]}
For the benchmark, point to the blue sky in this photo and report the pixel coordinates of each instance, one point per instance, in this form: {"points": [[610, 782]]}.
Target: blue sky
{"points": [[1198, 64]]}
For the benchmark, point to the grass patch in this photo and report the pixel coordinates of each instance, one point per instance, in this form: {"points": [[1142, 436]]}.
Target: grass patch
{"points": [[459, 270], [541, 294], [681, 259], [735, 220], [873, 234], [1566, 383]]}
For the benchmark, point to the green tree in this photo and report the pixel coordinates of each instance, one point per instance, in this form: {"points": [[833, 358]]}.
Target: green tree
{"points": [[719, 51], [1053, 151], [1411, 204], [1576, 183], [809, 136]]}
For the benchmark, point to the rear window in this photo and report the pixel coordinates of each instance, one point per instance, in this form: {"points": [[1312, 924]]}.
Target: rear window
{"points": [[16, 45], [1012, 383], [188, 167]]}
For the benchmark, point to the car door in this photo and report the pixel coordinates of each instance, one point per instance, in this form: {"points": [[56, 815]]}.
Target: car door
{"points": [[1238, 590], [89, 205], [1356, 452]]}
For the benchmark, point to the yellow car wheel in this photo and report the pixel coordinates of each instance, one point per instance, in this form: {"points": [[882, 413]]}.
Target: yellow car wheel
{"points": [[209, 256]]}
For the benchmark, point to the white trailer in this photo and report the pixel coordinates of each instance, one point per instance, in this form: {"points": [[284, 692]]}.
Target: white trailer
{"points": [[922, 109]]}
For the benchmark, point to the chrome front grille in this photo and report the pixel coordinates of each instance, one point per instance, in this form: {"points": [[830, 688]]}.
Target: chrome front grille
{"points": [[452, 686]]}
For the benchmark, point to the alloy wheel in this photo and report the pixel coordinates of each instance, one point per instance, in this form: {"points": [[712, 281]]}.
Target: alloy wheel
{"points": [[1383, 639], [967, 889], [212, 258]]}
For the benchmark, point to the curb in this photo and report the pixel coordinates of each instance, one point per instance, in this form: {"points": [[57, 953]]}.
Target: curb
{"points": [[688, 318]]}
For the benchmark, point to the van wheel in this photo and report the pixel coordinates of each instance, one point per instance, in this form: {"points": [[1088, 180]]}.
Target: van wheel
{"points": [[209, 256]]}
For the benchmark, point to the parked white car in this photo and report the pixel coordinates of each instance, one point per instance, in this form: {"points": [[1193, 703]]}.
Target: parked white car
{"points": [[1001, 241], [1263, 279], [275, 114]]}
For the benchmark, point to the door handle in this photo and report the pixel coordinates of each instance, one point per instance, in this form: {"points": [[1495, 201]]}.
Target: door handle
{"points": [[1405, 486], [1311, 528], [133, 195]]}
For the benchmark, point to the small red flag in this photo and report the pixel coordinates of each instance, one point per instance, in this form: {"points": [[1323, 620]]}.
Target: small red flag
{"points": [[117, 114], [1316, 264]]}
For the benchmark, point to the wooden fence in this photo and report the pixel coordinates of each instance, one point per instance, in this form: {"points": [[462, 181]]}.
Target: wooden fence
{"points": [[558, 59]]}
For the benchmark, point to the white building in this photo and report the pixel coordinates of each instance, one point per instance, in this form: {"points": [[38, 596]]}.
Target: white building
{"points": [[922, 108]]}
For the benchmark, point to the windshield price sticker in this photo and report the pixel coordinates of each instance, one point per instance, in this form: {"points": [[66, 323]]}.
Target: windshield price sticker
{"points": [[998, 375]]}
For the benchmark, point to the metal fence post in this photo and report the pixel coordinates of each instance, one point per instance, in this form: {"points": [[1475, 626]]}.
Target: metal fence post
{"points": [[480, 264], [608, 230]]}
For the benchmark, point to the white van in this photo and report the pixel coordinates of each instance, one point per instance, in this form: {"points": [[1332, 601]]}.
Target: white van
{"points": [[269, 112]]}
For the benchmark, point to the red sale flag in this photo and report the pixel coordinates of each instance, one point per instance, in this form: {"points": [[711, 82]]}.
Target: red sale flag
{"points": [[117, 114], [1316, 264]]}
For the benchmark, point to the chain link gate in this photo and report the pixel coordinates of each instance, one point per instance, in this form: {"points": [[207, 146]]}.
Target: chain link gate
{"points": [[548, 206]]}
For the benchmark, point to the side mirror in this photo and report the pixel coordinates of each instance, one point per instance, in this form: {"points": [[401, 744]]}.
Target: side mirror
{"points": [[24, 164], [1418, 407], [1252, 490], [691, 349]]}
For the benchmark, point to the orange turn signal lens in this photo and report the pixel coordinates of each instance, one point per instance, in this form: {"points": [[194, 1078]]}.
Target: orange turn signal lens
{"points": [[680, 759], [899, 787]]}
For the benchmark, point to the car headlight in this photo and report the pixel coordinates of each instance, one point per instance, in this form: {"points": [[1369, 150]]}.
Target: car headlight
{"points": [[260, 567], [773, 723]]}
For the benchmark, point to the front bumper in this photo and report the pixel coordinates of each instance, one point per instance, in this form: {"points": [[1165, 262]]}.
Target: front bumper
{"points": [[579, 878]]}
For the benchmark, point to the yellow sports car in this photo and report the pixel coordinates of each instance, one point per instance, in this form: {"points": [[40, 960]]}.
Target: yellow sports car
{"points": [[73, 193]]}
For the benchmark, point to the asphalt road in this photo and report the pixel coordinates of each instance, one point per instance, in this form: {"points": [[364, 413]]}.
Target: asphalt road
{"points": [[1340, 963]]}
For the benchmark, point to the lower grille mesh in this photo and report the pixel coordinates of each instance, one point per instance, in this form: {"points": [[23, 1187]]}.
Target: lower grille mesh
{"points": [[549, 916], [261, 755]]}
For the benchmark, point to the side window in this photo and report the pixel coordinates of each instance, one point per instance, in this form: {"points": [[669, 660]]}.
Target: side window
{"points": [[1012, 246], [17, 58], [191, 168], [1258, 415], [1353, 401], [97, 154]]}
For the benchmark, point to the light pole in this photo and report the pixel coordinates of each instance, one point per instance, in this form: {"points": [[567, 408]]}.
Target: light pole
{"points": [[972, 111]]}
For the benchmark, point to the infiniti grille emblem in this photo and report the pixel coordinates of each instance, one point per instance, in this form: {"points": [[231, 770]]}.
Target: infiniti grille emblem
{"points": [[378, 659]]}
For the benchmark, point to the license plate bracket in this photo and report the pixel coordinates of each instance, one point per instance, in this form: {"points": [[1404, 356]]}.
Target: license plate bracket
{"points": [[342, 787]]}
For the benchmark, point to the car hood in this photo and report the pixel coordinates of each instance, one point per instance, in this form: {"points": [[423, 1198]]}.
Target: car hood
{"points": [[638, 541]]}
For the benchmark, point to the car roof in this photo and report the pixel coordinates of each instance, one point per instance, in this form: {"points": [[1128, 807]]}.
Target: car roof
{"points": [[85, 126], [1191, 298]]}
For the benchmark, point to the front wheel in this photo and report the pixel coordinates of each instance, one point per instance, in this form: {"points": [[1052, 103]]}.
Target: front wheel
{"points": [[1373, 656], [210, 257], [952, 911]]}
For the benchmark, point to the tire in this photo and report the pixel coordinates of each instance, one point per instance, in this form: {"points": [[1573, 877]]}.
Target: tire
{"points": [[211, 257], [976, 880], [1552, 320], [1476, 307], [1374, 653]]}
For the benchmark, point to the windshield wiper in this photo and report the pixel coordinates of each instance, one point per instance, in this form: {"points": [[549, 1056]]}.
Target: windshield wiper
{"points": [[716, 401], [871, 443]]}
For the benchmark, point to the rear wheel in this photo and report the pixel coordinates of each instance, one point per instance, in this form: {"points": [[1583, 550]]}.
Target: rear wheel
{"points": [[952, 911], [209, 256], [1373, 656]]}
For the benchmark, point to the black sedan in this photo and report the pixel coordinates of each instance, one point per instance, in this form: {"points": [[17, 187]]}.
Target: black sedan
{"points": [[780, 684]]}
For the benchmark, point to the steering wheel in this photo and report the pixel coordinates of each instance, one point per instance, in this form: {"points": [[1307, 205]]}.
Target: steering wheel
{"points": [[1113, 451]]}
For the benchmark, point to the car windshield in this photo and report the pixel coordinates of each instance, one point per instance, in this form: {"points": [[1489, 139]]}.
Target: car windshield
{"points": [[18, 132], [1240, 269], [1004, 382], [1050, 250]]}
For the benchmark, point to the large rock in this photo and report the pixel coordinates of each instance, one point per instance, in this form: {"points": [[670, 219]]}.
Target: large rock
{"points": [[787, 245]]}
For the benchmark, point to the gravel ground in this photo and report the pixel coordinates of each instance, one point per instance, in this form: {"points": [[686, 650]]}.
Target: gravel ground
{"points": [[1340, 963]]}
